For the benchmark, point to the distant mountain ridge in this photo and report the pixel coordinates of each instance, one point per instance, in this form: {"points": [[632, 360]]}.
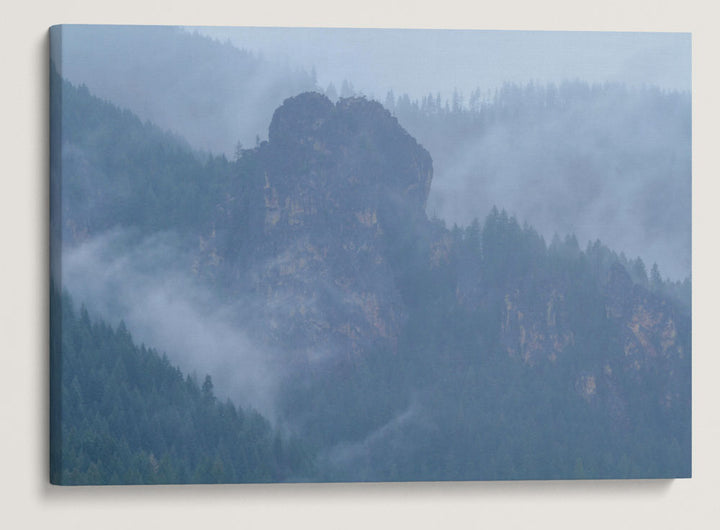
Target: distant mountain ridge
{"points": [[592, 159], [210, 92]]}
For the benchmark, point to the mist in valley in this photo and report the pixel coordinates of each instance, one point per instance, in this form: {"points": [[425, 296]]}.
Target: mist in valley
{"points": [[604, 162], [147, 284]]}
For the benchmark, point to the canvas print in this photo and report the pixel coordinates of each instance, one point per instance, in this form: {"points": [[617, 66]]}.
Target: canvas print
{"points": [[341, 255]]}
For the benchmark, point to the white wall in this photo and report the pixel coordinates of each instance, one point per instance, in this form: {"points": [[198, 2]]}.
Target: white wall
{"points": [[27, 500]]}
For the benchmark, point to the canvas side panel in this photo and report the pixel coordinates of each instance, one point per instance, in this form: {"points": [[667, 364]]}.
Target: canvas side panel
{"points": [[55, 92]]}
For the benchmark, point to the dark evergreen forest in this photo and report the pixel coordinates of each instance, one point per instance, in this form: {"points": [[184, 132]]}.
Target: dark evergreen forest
{"points": [[123, 414]]}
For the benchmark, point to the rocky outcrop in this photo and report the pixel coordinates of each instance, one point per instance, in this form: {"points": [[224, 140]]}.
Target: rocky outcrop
{"points": [[338, 181], [642, 337], [654, 336], [325, 161], [344, 243]]}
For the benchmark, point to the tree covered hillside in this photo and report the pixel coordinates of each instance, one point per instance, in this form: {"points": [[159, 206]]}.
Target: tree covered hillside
{"points": [[574, 157], [123, 414]]}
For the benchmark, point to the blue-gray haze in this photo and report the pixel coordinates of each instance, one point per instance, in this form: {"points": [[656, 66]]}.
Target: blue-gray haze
{"points": [[633, 157]]}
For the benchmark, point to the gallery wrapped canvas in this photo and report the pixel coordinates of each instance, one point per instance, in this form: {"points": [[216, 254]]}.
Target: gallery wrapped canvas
{"points": [[322, 255]]}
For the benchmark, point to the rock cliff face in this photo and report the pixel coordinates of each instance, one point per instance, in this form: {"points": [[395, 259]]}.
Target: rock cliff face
{"points": [[344, 186], [338, 182], [643, 338], [654, 337], [536, 332]]}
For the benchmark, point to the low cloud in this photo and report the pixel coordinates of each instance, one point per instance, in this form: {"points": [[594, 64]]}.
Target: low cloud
{"points": [[146, 284]]}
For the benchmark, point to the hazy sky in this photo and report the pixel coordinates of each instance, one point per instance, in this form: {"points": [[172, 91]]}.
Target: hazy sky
{"points": [[418, 61]]}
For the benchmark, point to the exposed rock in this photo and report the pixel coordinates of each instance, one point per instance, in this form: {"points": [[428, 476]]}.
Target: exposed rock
{"points": [[535, 332], [337, 180], [341, 221], [651, 331]]}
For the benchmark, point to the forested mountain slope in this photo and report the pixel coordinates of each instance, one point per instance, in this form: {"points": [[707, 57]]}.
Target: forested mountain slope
{"points": [[574, 157], [399, 349], [123, 414], [120, 171]]}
